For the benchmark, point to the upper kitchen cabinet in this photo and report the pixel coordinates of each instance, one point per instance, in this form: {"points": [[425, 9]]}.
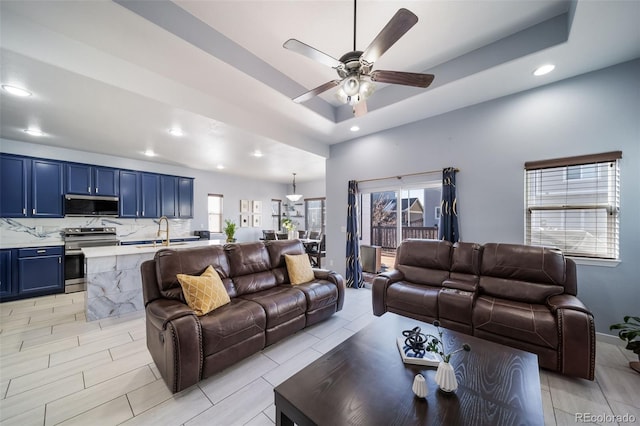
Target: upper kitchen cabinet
{"points": [[150, 194], [30, 187], [176, 196], [139, 194], [185, 197], [129, 194], [84, 179]]}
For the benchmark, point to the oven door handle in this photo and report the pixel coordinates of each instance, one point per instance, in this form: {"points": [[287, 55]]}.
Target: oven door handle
{"points": [[72, 252]]}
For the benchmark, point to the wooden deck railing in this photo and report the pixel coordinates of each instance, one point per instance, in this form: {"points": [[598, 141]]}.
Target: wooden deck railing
{"points": [[386, 236]]}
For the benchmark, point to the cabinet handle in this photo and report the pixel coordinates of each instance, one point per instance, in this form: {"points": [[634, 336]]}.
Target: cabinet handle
{"points": [[96, 189], [33, 211], [24, 212], [59, 260], [41, 251], [89, 189]]}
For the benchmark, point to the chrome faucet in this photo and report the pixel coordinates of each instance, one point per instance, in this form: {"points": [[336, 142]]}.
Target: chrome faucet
{"points": [[166, 231]]}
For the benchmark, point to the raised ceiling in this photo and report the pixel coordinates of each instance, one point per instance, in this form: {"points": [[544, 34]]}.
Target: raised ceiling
{"points": [[113, 77]]}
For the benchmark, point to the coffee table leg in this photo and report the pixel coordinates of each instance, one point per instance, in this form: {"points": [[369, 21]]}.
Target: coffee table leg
{"points": [[282, 419]]}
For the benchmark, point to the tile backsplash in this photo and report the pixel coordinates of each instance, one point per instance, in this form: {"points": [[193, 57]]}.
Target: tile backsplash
{"points": [[46, 231]]}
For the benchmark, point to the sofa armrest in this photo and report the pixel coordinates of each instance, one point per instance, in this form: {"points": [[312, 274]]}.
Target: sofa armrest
{"points": [[463, 285], [379, 289], [335, 278], [162, 311], [566, 301], [576, 328], [174, 339]]}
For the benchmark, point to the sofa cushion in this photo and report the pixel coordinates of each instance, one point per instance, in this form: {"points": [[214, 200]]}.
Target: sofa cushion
{"points": [[299, 268], [205, 292], [519, 321], [319, 294], [277, 249], [190, 261], [417, 298], [250, 267], [281, 304], [424, 261], [231, 324]]}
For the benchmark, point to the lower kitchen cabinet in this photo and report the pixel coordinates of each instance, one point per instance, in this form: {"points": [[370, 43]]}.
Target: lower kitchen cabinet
{"points": [[30, 272]]}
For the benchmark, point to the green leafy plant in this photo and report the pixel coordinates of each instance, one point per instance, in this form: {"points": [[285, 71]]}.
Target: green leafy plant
{"points": [[435, 344], [288, 224], [629, 330], [230, 230]]}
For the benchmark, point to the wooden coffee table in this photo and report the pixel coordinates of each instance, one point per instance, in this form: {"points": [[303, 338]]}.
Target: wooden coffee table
{"points": [[363, 381]]}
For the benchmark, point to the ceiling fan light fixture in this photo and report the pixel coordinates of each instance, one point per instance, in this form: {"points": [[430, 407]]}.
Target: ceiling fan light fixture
{"points": [[351, 85], [293, 197]]}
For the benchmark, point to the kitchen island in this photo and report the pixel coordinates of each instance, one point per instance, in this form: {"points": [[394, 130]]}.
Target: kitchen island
{"points": [[114, 283]]}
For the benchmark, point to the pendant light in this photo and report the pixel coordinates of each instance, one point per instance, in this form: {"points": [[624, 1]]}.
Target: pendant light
{"points": [[294, 197]]}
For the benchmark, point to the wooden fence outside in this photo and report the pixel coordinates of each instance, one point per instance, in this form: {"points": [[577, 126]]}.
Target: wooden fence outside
{"points": [[386, 236]]}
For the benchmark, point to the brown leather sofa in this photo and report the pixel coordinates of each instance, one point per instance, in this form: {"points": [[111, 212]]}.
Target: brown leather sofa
{"points": [[264, 307], [516, 295]]}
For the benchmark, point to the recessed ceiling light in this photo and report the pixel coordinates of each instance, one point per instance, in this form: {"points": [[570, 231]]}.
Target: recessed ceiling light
{"points": [[16, 91], [176, 131], [544, 69], [257, 153], [33, 132], [219, 167], [149, 153], [354, 128]]}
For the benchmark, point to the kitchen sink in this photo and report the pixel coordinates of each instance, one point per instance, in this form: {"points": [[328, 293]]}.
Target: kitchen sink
{"points": [[158, 245]]}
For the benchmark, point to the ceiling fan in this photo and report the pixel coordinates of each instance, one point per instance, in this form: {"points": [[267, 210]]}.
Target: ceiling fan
{"points": [[355, 68]]}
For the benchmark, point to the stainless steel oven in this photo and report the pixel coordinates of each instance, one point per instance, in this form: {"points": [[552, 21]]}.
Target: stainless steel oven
{"points": [[75, 239]]}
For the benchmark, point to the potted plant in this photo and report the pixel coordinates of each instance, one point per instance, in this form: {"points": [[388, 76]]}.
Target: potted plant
{"points": [[289, 225], [629, 330], [230, 230]]}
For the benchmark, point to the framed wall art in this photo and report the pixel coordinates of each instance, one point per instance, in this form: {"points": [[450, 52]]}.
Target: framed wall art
{"points": [[244, 220], [244, 206], [256, 206]]}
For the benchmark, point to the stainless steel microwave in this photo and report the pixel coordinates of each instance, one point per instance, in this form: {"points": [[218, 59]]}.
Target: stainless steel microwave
{"points": [[90, 205]]}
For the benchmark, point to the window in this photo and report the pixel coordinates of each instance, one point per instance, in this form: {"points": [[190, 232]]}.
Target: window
{"points": [[276, 214], [315, 214], [214, 209], [574, 203]]}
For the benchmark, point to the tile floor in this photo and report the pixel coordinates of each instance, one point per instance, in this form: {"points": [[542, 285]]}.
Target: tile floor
{"points": [[55, 368]]}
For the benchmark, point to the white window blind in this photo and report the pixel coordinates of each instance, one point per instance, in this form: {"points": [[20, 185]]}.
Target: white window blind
{"points": [[214, 212], [574, 204]]}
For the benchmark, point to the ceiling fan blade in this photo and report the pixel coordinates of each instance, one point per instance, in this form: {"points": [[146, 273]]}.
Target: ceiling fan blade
{"points": [[360, 109], [401, 22], [314, 92], [311, 52], [404, 78]]}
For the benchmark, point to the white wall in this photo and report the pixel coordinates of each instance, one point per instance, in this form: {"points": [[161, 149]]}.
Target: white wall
{"points": [[490, 142]]}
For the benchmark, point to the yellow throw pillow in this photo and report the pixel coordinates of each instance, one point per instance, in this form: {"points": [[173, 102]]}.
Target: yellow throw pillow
{"points": [[299, 268], [204, 293]]}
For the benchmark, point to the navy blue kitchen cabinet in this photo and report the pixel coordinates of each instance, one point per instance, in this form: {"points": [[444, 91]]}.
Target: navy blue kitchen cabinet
{"points": [[46, 188], [7, 288], [150, 195], [14, 186], [185, 197], [84, 179], [176, 196], [40, 271], [168, 196], [129, 194], [30, 187]]}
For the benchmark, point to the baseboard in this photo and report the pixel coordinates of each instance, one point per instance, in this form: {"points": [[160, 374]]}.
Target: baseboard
{"points": [[611, 339]]}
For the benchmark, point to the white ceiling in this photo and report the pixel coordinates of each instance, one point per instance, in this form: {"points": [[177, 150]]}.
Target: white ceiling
{"points": [[112, 77]]}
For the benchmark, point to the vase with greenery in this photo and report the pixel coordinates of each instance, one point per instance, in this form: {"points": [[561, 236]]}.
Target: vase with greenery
{"points": [[230, 230], [629, 330], [289, 225], [445, 376]]}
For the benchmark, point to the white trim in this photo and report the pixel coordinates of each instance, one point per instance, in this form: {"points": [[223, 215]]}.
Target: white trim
{"points": [[609, 263]]}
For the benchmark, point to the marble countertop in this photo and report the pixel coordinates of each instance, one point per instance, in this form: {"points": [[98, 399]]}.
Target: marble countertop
{"points": [[90, 252], [173, 237]]}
